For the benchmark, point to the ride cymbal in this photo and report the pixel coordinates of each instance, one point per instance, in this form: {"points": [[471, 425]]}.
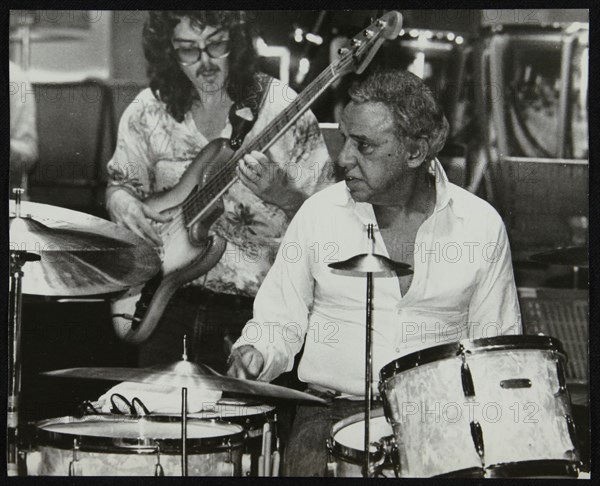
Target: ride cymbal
{"points": [[186, 374]]}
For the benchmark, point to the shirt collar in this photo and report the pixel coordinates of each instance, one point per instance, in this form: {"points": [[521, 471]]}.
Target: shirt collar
{"points": [[443, 191]]}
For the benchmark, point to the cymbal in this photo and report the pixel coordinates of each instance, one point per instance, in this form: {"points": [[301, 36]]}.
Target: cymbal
{"points": [[186, 374], [80, 253], [574, 256], [373, 263]]}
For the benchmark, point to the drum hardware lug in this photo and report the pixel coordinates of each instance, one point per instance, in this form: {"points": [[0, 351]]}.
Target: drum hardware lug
{"points": [[246, 465], [331, 463], [230, 451], [74, 465], [477, 436], [560, 371], [158, 469], [389, 452], [227, 467], [572, 431], [331, 469], [22, 462], [466, 378]]}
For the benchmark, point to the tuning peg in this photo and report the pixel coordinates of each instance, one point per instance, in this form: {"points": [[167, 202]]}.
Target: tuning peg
{"points": [[368, 33], [343, 51], [355, 42], [380, 23]]}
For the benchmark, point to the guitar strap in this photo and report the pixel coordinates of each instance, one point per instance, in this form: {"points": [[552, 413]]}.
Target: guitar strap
{"points": [[243, 114]]}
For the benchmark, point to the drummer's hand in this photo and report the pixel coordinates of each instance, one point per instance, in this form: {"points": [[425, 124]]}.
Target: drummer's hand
{"points": [[245, 362], [132, 213], [269, 181]]}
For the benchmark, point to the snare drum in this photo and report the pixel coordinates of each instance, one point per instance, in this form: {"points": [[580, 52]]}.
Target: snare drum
{"points": [[120, 445], [492, 407], [346, 445]]}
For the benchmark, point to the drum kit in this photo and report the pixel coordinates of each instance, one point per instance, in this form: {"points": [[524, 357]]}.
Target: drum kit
{"points": [[60, 252], [485, 408], [491, 407]]}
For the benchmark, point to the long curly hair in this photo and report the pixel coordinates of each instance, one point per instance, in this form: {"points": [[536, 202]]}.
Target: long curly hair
{"points": [[169, 83]]}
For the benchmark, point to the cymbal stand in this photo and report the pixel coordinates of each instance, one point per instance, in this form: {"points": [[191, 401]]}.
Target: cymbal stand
{"points": [[17, 260], [184, 413], [368, 357]]}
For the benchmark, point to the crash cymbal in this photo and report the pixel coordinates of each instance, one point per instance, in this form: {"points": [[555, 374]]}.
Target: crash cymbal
{"points": [[373, 263], [186, 374], [573, 256], [80, 253]]}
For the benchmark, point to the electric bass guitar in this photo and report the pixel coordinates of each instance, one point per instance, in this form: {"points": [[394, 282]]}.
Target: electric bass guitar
{"points": [[189, 248]]}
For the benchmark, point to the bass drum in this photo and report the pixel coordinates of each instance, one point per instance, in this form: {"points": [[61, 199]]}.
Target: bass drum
{"points": [[346, 446], [119, 445], [491, 407]]}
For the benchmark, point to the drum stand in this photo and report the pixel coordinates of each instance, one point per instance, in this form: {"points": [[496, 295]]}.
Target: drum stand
{"points": [[17, 260], [368, 264]]}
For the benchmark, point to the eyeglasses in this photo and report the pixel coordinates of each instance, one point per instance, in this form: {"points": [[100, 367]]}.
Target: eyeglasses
{"points": [[192, 54]]}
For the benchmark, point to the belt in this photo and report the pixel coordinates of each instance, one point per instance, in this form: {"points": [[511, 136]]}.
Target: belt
{"points": [[205, 297]]}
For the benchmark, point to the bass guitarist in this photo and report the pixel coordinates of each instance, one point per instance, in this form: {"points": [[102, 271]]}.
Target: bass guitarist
{"points": [[204, 85]]}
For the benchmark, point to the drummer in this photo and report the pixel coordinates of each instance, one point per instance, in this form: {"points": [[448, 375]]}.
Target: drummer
{"points": [[462, 287]]}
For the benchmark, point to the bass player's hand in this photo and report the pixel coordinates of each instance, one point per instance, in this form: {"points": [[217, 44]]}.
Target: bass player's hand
{"points": [[269, 181], [127, 210]]}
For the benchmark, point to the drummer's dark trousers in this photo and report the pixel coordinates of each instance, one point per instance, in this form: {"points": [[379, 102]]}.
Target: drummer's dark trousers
{"points": [[206, 319], [306, 452]]}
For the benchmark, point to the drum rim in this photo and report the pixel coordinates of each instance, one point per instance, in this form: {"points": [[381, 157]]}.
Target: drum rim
{"points": [[544, 467], [139, 445], [349, 454], [252, 422], [449, 350]]}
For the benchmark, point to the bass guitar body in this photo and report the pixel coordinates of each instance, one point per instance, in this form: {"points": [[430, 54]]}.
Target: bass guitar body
{"points": [[188, 251]]}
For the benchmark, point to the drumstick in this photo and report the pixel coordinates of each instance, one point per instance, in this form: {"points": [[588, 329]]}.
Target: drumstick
{"points": [[261, 466], [268, 453], [235, 355], [275, 466], [266, 429]]}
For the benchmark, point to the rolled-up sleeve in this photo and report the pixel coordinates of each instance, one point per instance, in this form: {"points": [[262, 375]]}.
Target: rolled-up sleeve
{"points": [[282, 305], [494, 307]]}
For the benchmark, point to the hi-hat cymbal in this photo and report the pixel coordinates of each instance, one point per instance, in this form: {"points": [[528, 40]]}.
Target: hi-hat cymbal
{"points": [[573, 256], [80, 253], [186, 374], [373, 263]]}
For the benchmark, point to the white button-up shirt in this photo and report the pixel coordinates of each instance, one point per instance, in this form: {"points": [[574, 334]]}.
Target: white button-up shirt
{"points": [[462, 288]]}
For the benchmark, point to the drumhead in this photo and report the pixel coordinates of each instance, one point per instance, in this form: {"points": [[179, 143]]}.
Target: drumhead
{"points": [[229, 408], [444, 351], [98, 432], [348, 435]]}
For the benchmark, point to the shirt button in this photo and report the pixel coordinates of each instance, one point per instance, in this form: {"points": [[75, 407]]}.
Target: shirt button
{"points": [[397, 350]]}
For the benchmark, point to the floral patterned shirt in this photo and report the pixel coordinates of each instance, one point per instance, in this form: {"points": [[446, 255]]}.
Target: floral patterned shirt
{"points": [[153, 150]]}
